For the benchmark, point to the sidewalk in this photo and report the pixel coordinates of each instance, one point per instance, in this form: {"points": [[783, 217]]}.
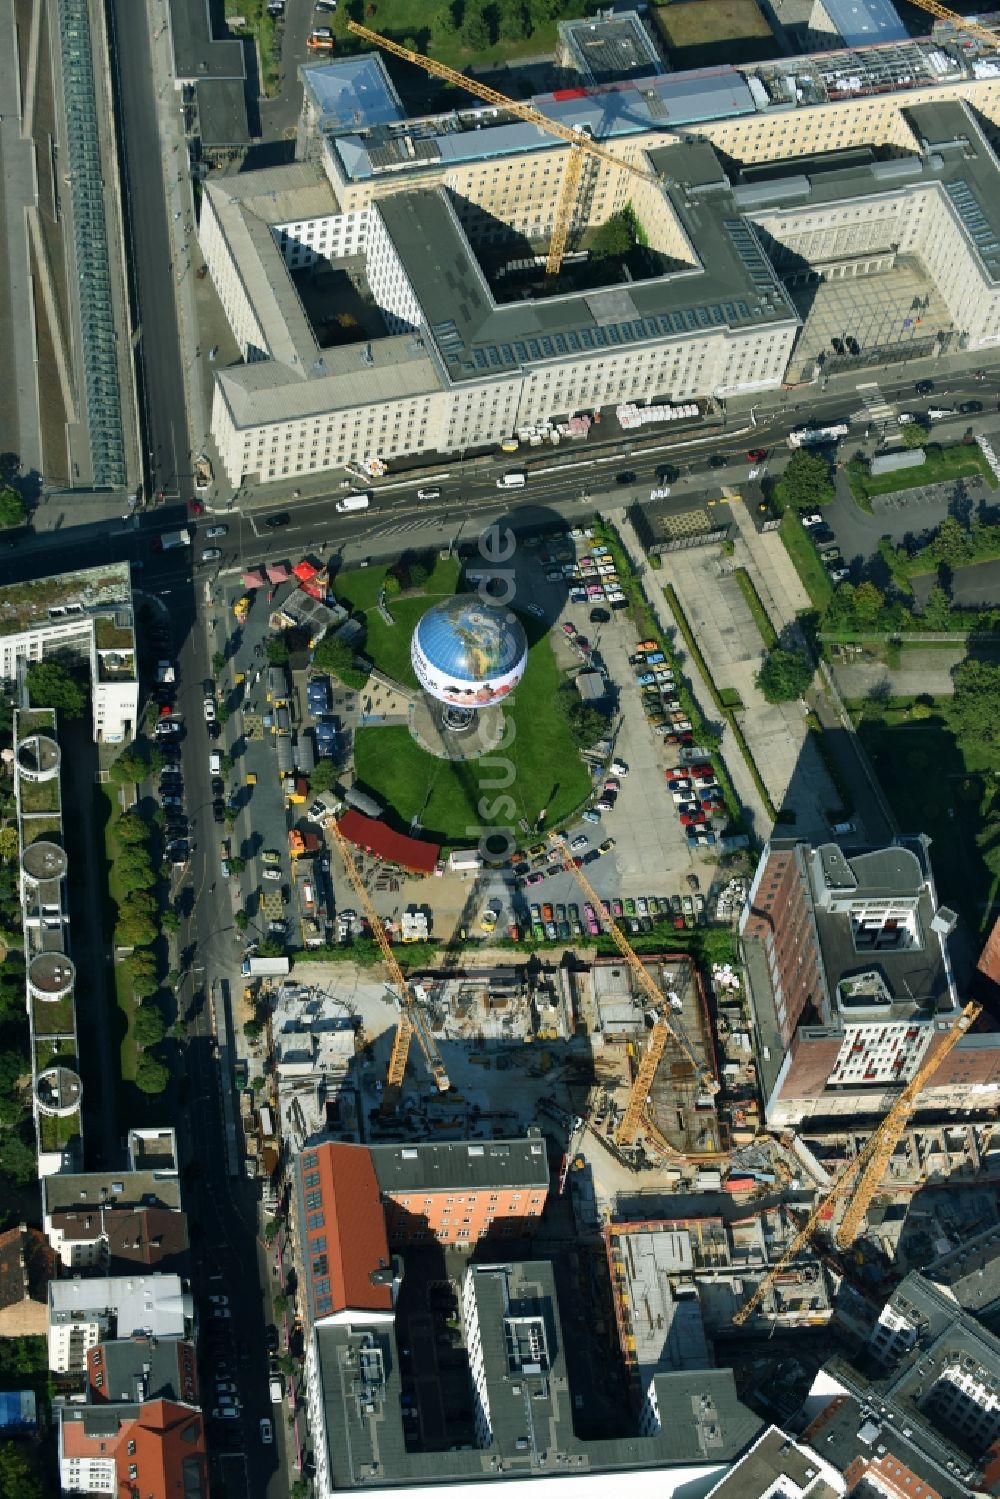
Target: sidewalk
{"points": [[652, 584]]}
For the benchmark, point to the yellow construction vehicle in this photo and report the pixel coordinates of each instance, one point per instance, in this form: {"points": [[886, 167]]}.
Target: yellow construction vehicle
{"points": [[579, 140], [242, 608], [865, 1172], [411, 1018], [663, 1027]]}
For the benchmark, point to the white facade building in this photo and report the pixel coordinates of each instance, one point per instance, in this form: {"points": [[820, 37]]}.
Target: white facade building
{"points": [[81, 1313]]}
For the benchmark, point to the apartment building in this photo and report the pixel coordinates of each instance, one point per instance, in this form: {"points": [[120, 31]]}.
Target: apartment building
{"points": [[26, 1267], [851, 985], [156, 1449], [778, 1466], [460, 1192], [85, 1214], [142, 1368], [83, 1313], [87, 614]]}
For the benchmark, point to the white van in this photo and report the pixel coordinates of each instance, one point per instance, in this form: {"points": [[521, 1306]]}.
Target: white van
{"points": [[353, 502], [511, 481], [215, 762]]}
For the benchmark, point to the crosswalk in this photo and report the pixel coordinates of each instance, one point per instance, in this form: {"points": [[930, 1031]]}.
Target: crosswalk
{"points": [[990, 455], [881, 414], [400, 528]]}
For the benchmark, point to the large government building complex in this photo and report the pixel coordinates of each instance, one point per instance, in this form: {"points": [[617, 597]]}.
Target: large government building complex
{"points": [[386, 294]]}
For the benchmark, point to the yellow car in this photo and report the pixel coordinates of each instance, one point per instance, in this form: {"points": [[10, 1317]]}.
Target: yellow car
{"points": [[488, 921]]}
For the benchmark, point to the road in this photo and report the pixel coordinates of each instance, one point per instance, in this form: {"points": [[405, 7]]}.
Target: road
{"points": [[162, 395]]}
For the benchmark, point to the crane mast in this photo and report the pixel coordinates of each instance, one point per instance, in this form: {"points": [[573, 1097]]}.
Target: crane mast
{"points": [[981, 33], [411, 1020], [869, 1165], [581, 142]]}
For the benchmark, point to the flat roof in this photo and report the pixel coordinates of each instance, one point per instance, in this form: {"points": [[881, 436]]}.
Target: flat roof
{"points": [[197, 54], [773, 1457], [733, 285], [82, 1192], [222, 112], [608, 48], [860, 23], [351, 93], [72, 595], [156, 1304], [971, 1273], [461, 1165]]}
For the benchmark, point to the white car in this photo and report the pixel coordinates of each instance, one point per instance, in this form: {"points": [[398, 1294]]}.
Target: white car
{"points": [[225, 1387], [214, 531], [225, 1413], [580, 841], [618, 768], [681, 796], [211, 554], [641, 906], [812, 519], [209, 710], [271, 872], [266, 1431], [222, 1312], [219, 1300]]}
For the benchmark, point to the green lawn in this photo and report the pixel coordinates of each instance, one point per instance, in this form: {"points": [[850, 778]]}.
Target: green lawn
{"points": [[389, 645], [937, 785], [961, 461], [805, 559], [451, 798]]}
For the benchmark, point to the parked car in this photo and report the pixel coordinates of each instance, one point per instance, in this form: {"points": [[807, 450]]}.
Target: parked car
{"points": [[275, 522], [214, 531], [812, 518]]}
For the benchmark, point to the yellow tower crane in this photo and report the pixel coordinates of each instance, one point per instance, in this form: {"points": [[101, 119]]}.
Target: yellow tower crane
{"points": [[581, 142], [663, 1028], [865, 1172], [411, 1019], [981, 33]]}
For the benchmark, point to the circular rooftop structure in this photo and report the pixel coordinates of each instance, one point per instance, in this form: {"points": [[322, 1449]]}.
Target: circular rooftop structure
{"points": [[469, 652], [44, 861], [51, 974], [58, 1091], [38, 757]]}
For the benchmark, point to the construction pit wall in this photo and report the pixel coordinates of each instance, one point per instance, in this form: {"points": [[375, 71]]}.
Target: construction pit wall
{"points": [[676, 1283]]}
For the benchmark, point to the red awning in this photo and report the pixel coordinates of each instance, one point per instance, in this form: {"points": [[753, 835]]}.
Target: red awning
{"points": [[396, 848], [304, 571], [277, 572], [253, 579]]}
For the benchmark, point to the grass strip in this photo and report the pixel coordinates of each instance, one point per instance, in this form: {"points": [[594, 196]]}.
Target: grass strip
{"points": [[805, 559], [761, 618]]}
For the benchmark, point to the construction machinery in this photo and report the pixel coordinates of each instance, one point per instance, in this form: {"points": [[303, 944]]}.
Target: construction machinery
{"points": [[962, 23], [411, 1019], [863, 1175], [663, 1027], [580, 141]]}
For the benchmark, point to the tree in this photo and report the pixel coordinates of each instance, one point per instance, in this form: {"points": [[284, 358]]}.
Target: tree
{"points": [[130, 766], [237, 864], [131, 829], [271, 948], [51, 684], [952, 544], [585, 723], [135, 870], [805, 482], [418, 573], [975, 709], [170, 921], [253, 1029], [869, 602], [914, 434], [145, 986], [19, 1472], [148, 1025], [515, 22], [279, 1303], [151, 1075], [614, 239], [936, 614], [218, 663], [322, 777], [13, 511], [8, 842], [134, 929], [276, 650], [17, 1156], [475, 30], [333, 655], [140, 964], [241, 921], [784, 675]]}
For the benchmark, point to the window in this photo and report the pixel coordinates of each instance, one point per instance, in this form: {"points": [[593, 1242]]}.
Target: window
{"points": [[315, 1220]]}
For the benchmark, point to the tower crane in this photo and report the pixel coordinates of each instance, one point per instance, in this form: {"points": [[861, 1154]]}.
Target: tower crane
{"points": [[411, 1019], [864, 1173], [663, 1028], [580, 141], [981, 33]]}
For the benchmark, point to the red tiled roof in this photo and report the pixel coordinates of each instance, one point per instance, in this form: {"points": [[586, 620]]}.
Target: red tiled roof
{"points": [[354, 1229], [395, 848], [169, 1452]]}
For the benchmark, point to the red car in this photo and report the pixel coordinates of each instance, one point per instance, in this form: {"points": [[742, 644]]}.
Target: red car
{"points": [[196, 507], [700, 770], [757, 455], [693, 819]]}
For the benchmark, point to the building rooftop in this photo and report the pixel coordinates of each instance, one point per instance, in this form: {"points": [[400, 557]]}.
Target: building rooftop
{"points": [[971, 1273], [222, 112], [732, 285], [161, 1442], [863, 23], [80, 1192], [459, 1165], [354, 93], [153, 1304], [778, 1468], [197, 54], [667, 1328], [64, 597], [26, 1266], [157, 1237], [345, 1252], [139, 1369], [604, 49]]}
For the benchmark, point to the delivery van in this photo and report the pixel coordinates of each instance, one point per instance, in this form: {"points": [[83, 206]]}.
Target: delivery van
{"points": [[511, 481], [353, 502]]}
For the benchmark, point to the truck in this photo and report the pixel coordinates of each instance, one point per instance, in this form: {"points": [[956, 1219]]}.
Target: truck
{"points": [[266, 967], [352, 502], [305, 757], [286, 759], [202, 473], [813, 437], [276, 683], [171, 540], [165, 672]]}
